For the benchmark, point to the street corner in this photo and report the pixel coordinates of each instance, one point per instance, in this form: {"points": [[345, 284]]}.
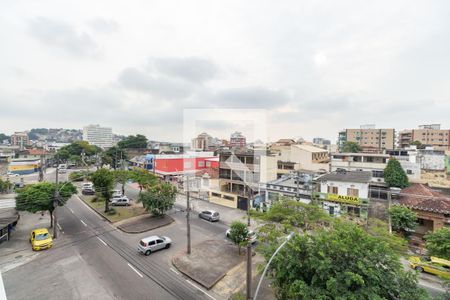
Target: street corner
{"points": [[144, 223], [208, 262]]}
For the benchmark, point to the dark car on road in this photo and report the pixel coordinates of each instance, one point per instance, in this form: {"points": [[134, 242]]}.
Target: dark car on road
{"points": [[88, 191], [209, 215]]}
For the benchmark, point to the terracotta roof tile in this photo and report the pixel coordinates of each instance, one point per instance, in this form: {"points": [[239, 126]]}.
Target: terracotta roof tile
{"points": [[419, 196]]}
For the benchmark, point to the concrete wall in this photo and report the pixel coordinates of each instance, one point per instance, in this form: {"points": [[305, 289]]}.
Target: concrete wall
{"points": [[411, 169], [435, 162]]}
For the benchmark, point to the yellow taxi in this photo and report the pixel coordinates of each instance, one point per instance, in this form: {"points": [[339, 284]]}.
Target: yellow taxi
{"points": [[41, 239], [433, 265]]}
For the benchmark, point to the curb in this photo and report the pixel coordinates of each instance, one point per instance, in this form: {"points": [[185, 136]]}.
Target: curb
{"points": [[93, 209], [145, 230]]}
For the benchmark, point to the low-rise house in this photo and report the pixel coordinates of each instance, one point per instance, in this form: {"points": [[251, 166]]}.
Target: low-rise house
{"points": [[408, 159], [295, 157], [371, 162], [344, 192], [431, 206], [296, 185]]}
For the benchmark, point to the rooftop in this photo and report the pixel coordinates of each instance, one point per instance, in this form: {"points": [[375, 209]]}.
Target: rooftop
{"points": [[360, 154], [347, 176], [421, 197], [310, 148]]}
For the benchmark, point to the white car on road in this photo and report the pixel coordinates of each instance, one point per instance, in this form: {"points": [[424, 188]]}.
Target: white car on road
{"points": [[153, 243], [251, 236]]}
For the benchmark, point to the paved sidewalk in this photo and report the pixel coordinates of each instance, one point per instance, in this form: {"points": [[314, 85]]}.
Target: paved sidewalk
{"points": [[227, 214]]}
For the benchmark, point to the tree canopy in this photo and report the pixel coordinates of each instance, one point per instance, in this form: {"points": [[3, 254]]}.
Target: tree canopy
{"points": [[438, 243], [159, 199], [144, 178], [40, 196], [122, 176], [74, 150], [103, 181], [403, 219], [238, 234], [351, 147], [341, 262], [138, 141], [394, 175]]}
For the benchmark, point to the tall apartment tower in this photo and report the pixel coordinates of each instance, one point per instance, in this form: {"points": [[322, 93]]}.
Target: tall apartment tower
{"points": [[369, 138], [98, 136], [430, 135]]}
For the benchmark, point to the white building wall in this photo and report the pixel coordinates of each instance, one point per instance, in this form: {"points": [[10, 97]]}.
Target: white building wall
{"points": [[434, 162], [98, 136], [343, 186], [412, 169]]}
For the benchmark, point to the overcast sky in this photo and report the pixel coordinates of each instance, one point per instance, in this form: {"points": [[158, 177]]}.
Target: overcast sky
{"points": [[314, 66]]}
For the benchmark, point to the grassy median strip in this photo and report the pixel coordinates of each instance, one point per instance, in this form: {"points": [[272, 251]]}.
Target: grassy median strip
{"points": [[120, 212]]}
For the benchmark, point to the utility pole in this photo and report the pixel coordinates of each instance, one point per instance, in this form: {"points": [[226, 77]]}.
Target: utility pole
{"points": [[389, 196], [249, 249], [41, 170], [55, 205], [298, 186], [188, 224]]}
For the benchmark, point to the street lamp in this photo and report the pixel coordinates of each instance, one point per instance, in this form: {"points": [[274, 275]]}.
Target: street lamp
{"points": [[270, 260]]}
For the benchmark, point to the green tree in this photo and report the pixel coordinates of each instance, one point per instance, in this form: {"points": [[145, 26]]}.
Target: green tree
{"points": [[144, 178], [103, 181], [238, 234], [40, 196], [438, 243], [5, 186], [293, 213], [133, 142], [351, 147], [341, 262], [379, 229], [403, 219], [122, 176], [159, 199], [113, 157], [77, 148], [394, 175], [80, 175]]}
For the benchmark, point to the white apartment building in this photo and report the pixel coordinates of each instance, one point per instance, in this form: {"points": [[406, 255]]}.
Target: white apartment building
{"points": [[98, 136]]}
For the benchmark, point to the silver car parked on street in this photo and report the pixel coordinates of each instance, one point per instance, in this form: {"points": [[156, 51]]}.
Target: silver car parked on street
{"points": [[209, 215]]}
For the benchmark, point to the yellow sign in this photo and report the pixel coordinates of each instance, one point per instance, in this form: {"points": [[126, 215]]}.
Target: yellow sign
{"points": [[343, 199]]}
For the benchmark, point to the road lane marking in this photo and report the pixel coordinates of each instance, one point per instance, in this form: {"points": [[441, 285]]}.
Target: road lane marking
{"points": [[102, 241], [173, 270], [83, 223], [201, 290], [132, 268], [71, 210], [59, 226], [2, 289], [89, 208]]}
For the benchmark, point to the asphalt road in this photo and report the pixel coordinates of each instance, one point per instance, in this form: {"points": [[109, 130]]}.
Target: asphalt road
{"points": [[92, 259]]}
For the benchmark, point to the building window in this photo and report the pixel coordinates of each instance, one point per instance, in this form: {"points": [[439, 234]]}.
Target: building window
{"points": [[187, 164], [201, 163], [332, 189], [409, 172], [378, 174], [208, 164], [352, 192]]}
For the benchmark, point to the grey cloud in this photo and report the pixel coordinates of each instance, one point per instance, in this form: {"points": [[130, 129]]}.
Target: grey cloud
{"points": [[328, 104], [193, 69], [59, 34], [137, 80], [251, 97], [104, 25]]}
